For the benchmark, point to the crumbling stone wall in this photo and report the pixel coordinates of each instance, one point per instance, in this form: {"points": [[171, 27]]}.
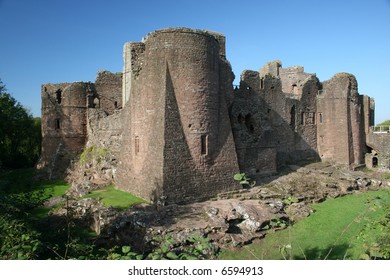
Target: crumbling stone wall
{"points": [[341, 131], [108, 88], [273, 118], [64, 120], [252, 128], [176, 131], [105, 130], [379, 143], [73, 113]]}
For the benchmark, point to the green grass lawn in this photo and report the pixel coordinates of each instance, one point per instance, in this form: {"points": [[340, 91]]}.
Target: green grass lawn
{"points": [[20, 184], [21, 181], [110, 196], [332, 232]]}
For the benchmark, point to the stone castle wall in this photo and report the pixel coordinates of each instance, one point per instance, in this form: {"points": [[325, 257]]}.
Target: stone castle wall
{"points": [[64, 120], [341, 131], [108, 88], [178, 131]]}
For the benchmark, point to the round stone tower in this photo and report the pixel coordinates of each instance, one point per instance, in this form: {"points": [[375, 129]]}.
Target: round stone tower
{"points": [[191, 60], [64, 112], [179, 123]]}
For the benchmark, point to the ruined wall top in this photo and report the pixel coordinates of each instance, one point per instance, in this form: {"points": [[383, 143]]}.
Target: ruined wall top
{"points": [[341, 85], [212, 34], [136, 54], [271, 68]]}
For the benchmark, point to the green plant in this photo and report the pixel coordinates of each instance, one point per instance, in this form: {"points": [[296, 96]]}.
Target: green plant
{"points": [[384, 123], [244, 180], [68, 239], [26, 235], [125, 253], [18, 239], [20, 133], [193, 248], [290, 200], [94, 155]]}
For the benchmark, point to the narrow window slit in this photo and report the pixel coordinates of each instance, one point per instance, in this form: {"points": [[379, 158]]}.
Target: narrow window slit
{"points": [[204, 145]]}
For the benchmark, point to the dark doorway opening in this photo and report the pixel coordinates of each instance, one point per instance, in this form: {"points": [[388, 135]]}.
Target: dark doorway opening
{"points": [[374, 162]]}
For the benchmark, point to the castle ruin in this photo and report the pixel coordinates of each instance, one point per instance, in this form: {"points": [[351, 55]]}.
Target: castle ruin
{"points": [[179, 129]]}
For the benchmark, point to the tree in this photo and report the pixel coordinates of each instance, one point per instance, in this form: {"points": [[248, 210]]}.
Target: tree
{"points": [[19, 133]]}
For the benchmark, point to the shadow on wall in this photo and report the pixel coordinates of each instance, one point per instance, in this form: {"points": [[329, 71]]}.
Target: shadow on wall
{"points": [[271, 129]]}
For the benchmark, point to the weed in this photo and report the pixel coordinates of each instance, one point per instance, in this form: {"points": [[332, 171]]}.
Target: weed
{"points": [[94, 154], [193, 248], [244, 180]]}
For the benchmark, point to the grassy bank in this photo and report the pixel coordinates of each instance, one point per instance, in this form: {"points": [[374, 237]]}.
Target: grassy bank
{"points": [[29, 232], [342, 228]]}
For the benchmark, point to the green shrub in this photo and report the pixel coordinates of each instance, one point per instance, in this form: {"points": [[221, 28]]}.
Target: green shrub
{"points": [[18, 240], [195, 247], [385, 123]]}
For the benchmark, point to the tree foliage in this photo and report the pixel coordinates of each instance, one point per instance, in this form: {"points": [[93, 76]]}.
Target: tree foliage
{"points": [[20, 133], [385, 123]]}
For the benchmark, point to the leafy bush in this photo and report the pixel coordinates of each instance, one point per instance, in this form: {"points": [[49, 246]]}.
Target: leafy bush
{"points": [[18, 241], [385, 123], [20, 133], [194, 247]]}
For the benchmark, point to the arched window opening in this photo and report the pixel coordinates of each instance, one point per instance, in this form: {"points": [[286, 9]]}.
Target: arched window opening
{"points": [[294, 89], [96, 102]]}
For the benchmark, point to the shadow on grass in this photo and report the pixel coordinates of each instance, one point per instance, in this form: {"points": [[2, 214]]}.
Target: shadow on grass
{"points": [[337, 252]]}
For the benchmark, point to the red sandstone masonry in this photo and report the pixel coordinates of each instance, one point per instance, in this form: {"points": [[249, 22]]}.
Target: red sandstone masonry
{"points": [[178, 130]]}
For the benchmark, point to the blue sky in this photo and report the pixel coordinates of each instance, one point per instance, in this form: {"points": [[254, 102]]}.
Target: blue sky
{"points": [[55, 41]]}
